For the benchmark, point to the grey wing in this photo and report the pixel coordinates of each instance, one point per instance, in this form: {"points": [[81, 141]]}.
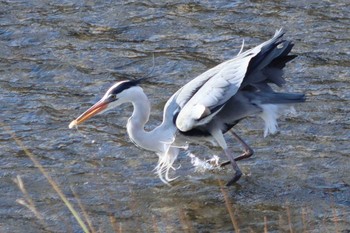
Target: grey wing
{"points": [[212, 95], [202, 98]]}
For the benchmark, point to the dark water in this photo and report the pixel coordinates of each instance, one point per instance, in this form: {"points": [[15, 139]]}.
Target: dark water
{"points": [[58, 57]]}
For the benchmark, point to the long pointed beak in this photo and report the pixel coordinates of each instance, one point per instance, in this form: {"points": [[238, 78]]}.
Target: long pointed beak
{"points": [[94, 110]]}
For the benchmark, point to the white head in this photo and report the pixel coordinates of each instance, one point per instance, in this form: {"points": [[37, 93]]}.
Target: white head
{"points": [[119, 93]]}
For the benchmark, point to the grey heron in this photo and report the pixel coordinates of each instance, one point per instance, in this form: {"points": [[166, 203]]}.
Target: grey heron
{"points": [[208, 106]]}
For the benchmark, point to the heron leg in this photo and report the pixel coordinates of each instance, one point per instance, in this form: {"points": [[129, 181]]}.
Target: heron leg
{"points": [[219, 137], [248, 152], [238, 172]]}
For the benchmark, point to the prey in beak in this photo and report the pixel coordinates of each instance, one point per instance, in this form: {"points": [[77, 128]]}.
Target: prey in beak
{"points": [[94, 110]]}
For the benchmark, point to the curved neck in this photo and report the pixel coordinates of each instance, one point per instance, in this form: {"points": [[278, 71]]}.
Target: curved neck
{"points": [[135, 127]]}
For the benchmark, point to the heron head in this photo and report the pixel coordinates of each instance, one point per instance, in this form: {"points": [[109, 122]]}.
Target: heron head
{"points": [[119, 93]]}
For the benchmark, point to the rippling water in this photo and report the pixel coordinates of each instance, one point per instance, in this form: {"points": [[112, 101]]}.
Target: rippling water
{"points": [[58, 57]]}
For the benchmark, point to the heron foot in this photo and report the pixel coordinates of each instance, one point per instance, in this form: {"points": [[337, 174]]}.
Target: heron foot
{"points": [[237, 176], [245, 155], [247, 151], [225, 163]]}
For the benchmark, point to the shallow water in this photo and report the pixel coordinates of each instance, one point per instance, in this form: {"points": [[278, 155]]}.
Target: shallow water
{"points": [[58, 57]]}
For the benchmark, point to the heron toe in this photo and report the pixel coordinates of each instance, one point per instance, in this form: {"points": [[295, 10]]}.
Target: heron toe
{"points": [[237, 176]]}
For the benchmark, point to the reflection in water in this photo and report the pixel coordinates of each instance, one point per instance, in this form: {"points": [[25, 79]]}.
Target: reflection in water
{"points": [[58, 57]]}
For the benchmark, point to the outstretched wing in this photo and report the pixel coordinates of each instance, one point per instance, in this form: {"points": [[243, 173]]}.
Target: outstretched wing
{"points": [[203, 97]]}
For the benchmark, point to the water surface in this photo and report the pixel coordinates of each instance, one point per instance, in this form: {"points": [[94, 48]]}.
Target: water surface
{"points": [[58, 57]]}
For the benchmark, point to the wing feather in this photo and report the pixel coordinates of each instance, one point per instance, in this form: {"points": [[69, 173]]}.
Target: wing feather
{"points": [[215, 91], [212, 89]]}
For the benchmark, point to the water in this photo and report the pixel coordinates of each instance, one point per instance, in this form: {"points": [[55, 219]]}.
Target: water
{"points": [[58, 57]]}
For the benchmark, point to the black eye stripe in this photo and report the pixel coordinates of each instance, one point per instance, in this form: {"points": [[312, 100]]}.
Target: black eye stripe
{"points": [[123, 86]]}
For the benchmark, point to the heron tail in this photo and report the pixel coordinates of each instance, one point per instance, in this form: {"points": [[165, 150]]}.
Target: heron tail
{"points": [[274, 105], [278, 98]]}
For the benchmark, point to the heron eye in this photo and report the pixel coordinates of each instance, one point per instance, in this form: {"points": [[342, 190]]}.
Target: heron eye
{"points": [[113, 96]]}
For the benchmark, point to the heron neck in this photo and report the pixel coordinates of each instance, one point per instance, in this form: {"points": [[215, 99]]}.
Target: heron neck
{"points": [[136, 124]]}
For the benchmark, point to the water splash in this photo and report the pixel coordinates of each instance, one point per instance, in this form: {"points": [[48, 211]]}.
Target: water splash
{"points": [[204, 165]]}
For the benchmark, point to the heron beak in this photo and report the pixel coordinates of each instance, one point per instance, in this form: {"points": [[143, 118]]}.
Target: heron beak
{"points": [[94, 110]]}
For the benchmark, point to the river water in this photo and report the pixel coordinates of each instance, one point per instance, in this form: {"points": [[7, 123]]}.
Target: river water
{"points": [[58, 57]]}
